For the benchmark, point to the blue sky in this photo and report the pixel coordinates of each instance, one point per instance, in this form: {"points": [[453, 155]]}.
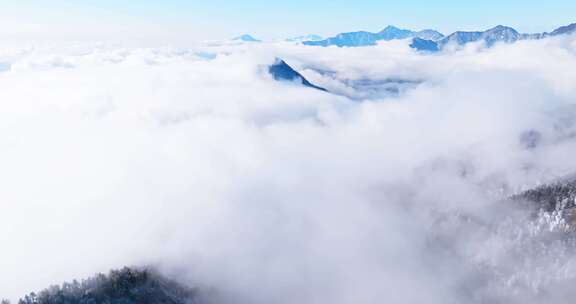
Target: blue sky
{"points": [[218, 19]]}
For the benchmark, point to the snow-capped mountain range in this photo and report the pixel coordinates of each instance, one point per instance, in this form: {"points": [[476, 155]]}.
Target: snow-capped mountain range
{"points": [[432, 41], [427, 40], [363, 38]]}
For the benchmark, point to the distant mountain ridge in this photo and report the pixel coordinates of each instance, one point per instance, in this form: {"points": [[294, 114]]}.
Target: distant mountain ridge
{"points": [[434, 41], [310, 37], [363, 38], [246, 38], [568, 29], [490, 37]]}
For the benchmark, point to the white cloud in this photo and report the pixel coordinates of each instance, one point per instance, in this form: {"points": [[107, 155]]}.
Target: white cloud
{"points": [[274, 192]]}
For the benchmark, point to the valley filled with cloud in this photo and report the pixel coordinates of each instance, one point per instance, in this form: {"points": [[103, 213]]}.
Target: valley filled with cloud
{"points": [[393, 185]]}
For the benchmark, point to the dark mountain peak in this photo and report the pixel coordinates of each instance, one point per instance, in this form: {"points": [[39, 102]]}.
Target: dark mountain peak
{"points": [[500, 33], [424, 45], [568, 29], [392, 32], [390, 28], [501, 28], [461, 38], [429, 34], [281, 71]]}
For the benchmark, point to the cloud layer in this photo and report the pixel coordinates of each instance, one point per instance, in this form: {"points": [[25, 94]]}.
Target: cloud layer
{"points": [[198, 161]]}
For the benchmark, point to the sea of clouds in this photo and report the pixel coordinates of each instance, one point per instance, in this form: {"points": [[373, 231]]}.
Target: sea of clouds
{"points": [[388, 189]]}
